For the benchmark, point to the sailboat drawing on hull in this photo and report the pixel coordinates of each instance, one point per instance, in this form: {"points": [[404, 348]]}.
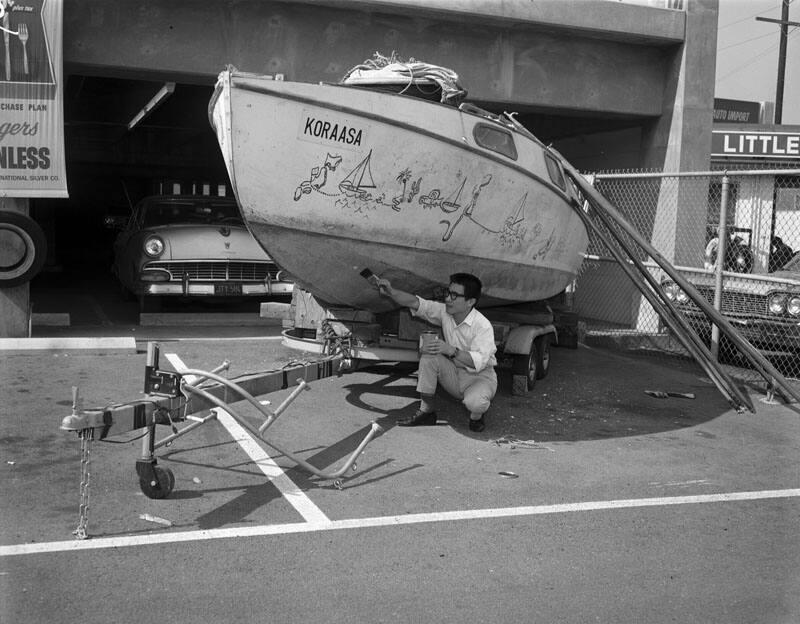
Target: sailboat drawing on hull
{"points": [[358, 180]]}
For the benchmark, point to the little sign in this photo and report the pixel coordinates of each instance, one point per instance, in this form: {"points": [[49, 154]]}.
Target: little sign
{"points": [[739, 144]]}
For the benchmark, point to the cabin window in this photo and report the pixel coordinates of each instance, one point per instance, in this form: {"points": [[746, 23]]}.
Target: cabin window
{"points": [[554, 169], [495, 139]]}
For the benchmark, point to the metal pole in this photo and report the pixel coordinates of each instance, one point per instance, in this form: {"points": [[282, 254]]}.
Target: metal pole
{"points": [[782, 62], [149, 439], [722, 244]]}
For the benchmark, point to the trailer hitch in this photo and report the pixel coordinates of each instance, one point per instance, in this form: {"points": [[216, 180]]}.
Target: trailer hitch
{"points": [[175, 397]]}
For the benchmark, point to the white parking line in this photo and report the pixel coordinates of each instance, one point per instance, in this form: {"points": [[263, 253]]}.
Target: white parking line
{"points": [[385, 521], [296, 497], [273, 472], [224, 339]]}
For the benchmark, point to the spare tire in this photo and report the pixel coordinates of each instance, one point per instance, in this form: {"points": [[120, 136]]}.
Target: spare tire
{"points": [[23, 249]]}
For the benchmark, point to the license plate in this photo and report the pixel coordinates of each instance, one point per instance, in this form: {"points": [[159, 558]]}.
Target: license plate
{"points": [[228, 289]]}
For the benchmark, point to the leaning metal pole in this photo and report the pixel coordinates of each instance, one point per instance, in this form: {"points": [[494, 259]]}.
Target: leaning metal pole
{"points": [[719, 264], [767, 370], [676, 322]]}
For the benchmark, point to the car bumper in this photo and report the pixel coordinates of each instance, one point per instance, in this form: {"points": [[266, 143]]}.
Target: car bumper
{"points": [[215, 289], [764, 334]]}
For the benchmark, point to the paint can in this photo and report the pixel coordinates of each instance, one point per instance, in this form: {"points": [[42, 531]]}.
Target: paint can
{"points": [[427, 337]]}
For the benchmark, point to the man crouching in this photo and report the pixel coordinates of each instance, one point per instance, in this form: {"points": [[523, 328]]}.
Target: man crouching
{"points": [[463, 363]]}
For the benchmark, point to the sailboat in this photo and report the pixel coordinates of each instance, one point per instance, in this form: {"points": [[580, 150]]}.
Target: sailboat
{"points": [[354, 183], [370, 135]]}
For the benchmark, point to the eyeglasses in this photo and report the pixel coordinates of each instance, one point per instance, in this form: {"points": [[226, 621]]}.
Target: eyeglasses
{"points": [[450, 294]]}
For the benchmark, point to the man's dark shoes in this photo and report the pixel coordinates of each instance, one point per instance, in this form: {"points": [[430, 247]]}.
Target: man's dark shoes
{"points": [[419, 419], [477, 425]]}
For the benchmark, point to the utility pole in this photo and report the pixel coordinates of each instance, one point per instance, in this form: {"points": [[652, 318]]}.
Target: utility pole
{"points": [[785, 23]]}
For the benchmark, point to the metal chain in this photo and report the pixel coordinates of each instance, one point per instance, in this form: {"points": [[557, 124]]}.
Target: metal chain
{"points": [[86, 436], [335, 344]]}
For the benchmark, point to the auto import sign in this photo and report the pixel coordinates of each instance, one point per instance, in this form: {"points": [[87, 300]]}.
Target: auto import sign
{"points": [[32, 160], [747, 144]]}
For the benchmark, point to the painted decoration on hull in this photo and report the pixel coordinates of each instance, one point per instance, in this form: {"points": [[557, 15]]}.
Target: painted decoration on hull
{"points": [[358, 192]]}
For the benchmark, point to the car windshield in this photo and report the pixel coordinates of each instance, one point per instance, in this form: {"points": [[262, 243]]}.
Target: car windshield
{"points": [[188, 212]]}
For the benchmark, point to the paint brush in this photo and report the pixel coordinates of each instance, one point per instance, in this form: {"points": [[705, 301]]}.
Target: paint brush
{"points": [[370, 277]]}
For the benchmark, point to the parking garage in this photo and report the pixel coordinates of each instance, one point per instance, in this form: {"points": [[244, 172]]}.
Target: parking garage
{"points": [[137, 84]]}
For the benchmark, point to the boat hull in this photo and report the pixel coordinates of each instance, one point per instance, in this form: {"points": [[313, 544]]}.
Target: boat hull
{"points": [[332, 180]]}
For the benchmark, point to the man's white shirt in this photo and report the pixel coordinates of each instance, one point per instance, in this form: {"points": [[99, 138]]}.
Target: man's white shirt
{"points": [[474, 334]]}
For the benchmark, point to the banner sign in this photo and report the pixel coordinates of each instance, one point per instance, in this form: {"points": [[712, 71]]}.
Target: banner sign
{"points": [[740, 144], [32, 161], [736, 111]]}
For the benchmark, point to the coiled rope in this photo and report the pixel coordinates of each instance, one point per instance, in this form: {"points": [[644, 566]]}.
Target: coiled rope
{"points": [[394, 66]]}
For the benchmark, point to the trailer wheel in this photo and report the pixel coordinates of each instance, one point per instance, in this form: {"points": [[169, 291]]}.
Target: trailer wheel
{"points": [[524, 372], [543, 350], [160, 485], [24, 249]]}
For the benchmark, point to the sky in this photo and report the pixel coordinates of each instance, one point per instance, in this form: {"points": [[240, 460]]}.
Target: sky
{"points": [[747, 54]]}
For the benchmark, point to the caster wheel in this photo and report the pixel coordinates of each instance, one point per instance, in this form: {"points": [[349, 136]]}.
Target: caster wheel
{"points": [[160, 485]]}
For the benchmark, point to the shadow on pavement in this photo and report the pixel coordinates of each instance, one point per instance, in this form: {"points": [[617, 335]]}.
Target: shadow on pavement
{"points": [[589, 394]]}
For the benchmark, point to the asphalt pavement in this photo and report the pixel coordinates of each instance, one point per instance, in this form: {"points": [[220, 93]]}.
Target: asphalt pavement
{"points": [[586, 501]]}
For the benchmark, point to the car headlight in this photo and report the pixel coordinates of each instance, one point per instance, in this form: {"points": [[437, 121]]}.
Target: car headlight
{"points": [[154, 246], [793, 307], [671, 290], [777, 303]]}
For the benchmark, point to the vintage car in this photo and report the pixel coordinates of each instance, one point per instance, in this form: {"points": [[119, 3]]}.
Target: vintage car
{"points": [[765, 309], [192, 246]]}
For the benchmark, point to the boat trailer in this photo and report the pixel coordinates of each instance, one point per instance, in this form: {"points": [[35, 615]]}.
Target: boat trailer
{"points": [[193, 395]]}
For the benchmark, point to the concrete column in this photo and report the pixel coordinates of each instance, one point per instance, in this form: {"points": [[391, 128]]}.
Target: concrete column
{"points": [[15, 301], [680, 141]]}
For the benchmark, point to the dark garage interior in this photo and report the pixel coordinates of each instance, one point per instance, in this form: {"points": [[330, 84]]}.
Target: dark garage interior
{"points": [[109, 169]]}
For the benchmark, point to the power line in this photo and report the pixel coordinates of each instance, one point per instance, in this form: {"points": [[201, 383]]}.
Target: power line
{"points": [[748, 63], [733, 45], [752, 60], [744, 19]]}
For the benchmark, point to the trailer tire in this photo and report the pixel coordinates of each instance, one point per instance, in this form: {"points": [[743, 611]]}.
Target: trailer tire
{"points": [[524, 372], [543, 353], [24, 249]]}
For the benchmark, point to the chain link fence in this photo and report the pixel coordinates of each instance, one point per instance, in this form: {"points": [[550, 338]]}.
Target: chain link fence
{"points": [[733, 235]]}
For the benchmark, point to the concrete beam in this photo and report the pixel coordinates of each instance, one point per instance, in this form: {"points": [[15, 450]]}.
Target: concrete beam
{"points": [[589, 56], [597, 18]]}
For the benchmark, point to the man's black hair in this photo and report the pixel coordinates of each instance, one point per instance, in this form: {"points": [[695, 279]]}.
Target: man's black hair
{"points": [[472, 285]]}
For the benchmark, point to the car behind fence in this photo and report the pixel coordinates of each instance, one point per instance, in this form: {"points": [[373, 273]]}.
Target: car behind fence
{"points": [[734, 235]]}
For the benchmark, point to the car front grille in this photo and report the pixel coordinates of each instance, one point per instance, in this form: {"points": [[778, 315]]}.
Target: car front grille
{"points": [[218, 271], [736, 303]]}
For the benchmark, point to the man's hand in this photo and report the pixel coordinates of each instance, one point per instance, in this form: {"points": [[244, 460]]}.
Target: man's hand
{"points": [[437, 346], [385, 287], [407, 300]]}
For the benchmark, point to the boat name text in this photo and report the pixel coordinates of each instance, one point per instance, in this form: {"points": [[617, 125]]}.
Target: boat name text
{"points": [[340, 133]]}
